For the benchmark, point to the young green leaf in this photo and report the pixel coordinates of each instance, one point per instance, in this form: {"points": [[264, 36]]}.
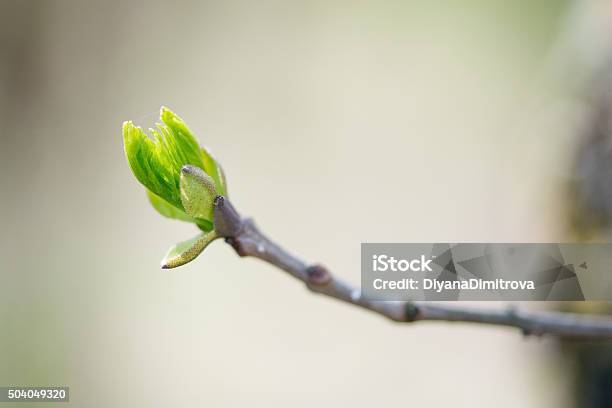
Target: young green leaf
{"points": [[187, 251], [168, 210], [156, 162], [213, 168]]}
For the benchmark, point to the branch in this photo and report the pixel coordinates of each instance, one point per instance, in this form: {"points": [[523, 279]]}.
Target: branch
{"points": [[247, 240]]}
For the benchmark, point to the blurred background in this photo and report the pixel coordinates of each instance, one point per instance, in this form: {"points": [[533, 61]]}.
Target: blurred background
{"points": [[465, 120]]}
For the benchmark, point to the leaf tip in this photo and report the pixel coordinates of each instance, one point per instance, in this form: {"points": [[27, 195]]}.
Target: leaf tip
{"points": [[127, 127], [168, 117]]}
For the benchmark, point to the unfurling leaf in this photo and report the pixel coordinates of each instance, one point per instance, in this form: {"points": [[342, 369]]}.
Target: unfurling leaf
{"points": [[168, 210], [157, 162], [213, 168], [187, 251]]}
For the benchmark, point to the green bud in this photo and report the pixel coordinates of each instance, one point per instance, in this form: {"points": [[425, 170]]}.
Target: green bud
{"points": [[198, 192], [157, 162], [181, 178], [187, 251]]}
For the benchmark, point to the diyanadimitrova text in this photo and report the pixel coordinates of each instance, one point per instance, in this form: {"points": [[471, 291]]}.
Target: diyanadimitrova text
{"points": [[439, 286]]}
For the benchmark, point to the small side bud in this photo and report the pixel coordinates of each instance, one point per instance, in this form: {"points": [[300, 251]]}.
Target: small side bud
{"points": [[318, 275], [187, 251]]}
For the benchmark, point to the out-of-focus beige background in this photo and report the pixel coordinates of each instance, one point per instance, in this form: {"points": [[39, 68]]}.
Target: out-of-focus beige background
{"points": [[337, 122]]}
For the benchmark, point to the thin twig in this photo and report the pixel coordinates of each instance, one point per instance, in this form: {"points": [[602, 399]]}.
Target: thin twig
{"points": [[247, 240]]}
